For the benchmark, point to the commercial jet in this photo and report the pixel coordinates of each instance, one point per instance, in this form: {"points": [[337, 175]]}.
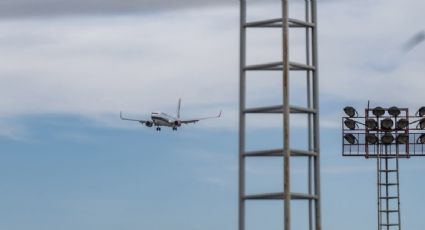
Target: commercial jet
{"points": [[159, 119]]}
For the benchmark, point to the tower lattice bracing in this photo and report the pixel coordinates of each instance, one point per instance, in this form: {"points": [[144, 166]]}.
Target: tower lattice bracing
{"points": [[286, 68]]}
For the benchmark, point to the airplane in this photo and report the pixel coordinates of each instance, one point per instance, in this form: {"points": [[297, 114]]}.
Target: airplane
{"points": [[159, 119]]}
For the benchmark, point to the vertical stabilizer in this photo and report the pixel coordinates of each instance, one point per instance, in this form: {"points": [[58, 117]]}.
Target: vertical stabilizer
{"points": [[178, 108]]}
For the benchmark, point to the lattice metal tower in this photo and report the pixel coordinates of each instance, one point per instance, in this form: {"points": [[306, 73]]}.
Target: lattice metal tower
{"points": [[386, 134], [284, 66]]}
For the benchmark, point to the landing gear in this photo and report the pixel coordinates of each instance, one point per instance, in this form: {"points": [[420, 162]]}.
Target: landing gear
{"points": [[174, 128], [158, 128]]}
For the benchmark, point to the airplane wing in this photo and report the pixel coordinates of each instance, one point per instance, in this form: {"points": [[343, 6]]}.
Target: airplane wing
{"points": [[129, 119], [198, 119]]}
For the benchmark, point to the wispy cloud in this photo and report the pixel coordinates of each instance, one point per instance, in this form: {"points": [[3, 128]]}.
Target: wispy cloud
{"points": [[414, 41], [11, 129]]}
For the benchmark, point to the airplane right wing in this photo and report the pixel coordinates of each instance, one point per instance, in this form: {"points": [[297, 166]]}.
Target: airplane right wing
{"points": [[129, 119]]}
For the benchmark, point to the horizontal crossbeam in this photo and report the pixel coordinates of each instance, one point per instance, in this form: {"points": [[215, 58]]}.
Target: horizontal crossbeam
{"points": [[277, 22], [389, 184], [279, 153], [278, 66], [389, 211], [280, 196], [389, 197], [391, 170], [279, 109], [389, 224]]}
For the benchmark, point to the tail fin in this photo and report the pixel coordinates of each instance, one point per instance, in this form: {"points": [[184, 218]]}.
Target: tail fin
{"points": [[178, 108]]}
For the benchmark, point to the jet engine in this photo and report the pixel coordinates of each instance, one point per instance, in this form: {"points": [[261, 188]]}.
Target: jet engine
{"points": [[177, 123], [149, 124]]}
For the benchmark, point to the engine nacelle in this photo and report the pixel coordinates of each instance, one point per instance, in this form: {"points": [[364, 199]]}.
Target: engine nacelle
{"points": [[177, 123], [149, 124]]}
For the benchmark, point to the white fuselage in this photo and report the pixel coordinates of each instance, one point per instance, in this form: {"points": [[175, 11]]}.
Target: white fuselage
{"points": [[163, 119]]}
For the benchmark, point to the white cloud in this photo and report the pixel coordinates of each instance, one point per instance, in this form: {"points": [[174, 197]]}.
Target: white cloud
{"points": [[96, 66], [360, 52], [48, 8]]}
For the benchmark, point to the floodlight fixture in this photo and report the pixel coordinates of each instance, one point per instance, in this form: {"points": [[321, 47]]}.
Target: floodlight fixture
{"points": [[378, 111], [351, 124], [421, 124], [371, 123], [421, 111], [387, 139], [350, 138], [403, 138], [372, 138], [421, 139], [394, 111], [402, 123], [385, 134], [350, 111], [387, 123]]}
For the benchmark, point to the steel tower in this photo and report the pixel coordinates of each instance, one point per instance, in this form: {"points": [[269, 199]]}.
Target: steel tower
{"points": [[311, 111]]}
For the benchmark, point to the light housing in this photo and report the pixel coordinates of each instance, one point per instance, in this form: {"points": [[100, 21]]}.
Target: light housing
{"points": [[371, 123], [402, 123], [421, 111], [421, 139], [403, 138], [372, 139], [387, 124], [350, 138], [394, 111], [378, 111], [387, 139], [421, 124], [350, 111], [349, 123]]}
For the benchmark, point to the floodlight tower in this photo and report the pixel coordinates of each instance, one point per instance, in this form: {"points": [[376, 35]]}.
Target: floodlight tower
{"points": [[310, 111], [386, 134]]}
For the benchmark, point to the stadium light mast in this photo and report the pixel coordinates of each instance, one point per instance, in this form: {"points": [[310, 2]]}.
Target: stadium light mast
{"points": [[386, 134]]}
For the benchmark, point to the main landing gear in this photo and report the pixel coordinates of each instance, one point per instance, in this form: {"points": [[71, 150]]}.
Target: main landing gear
{"points": [[174, 128], [158, 129]]}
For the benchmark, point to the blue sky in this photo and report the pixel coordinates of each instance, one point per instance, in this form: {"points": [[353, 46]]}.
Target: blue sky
{"points": [[68, 162]]}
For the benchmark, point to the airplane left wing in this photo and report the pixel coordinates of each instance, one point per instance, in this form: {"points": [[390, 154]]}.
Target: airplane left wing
{"points": [[198, 119]]}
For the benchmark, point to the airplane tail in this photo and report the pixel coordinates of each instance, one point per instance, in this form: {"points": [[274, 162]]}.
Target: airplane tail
{"points": [[178, 108]]}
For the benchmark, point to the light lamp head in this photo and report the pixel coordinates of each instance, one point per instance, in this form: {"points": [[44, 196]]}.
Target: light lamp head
{"points": [[350, 111], [394, 111], [387, 139], [403, 138], [372, 139], [378, 111], [371, 123], [421, 139], [402, 123], [421, 124], [421, 111], [387, 124], [351, 124], [350, 138]]}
